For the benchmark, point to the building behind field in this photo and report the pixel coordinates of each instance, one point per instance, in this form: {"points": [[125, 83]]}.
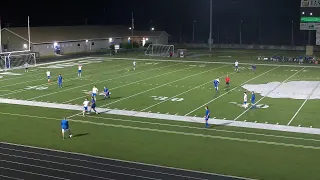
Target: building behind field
{"points": [[74, 39]]}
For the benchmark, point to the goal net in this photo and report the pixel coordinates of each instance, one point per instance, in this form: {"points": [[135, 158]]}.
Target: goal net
{"points": [[159, 50], [17, 60]]}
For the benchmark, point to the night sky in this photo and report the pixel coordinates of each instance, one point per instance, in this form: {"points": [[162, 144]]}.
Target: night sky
{"points": [[264, 21]]}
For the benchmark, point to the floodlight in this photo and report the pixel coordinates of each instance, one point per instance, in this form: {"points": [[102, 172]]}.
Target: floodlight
{"points": [[110, 39], [87, 40], [310, 14], [129, 38], [25, 46], [152, 29], [147, 39], [302, 12], [55, 44], [130, 28]]}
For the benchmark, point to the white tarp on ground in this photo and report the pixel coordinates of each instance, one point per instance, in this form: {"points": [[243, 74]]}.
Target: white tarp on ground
{"points": [[291, 90]]}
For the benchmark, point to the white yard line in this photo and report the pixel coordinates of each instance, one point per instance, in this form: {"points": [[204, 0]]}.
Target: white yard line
{"points": [[177, 132], [216, 62], [134, 82], [45, 76], [43, 64], [269, 93], [76, 87], [54, 82], [180, 94], [163, 85], [228, 92], [294, 116], [155, 88]]}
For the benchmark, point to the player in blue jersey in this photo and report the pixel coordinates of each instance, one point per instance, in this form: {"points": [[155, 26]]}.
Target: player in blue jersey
{"points": [[106, 93], [207, 116], [60, 79], [253, 99], [216, 84], [93, 105], [65, 128], [254, 68]]}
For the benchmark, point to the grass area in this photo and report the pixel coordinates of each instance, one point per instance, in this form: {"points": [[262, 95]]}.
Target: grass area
{"points": [[176, 88]]}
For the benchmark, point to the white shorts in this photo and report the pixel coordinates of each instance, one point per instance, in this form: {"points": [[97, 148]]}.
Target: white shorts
{"points": [[64, 130]]}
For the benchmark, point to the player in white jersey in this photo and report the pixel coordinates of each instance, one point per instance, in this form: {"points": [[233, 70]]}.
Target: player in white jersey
{"points": [[85, 106], [48, 75], [236, 68], [134, 65], [245, 99], [26, 67], [79, 70], [94, 92]]}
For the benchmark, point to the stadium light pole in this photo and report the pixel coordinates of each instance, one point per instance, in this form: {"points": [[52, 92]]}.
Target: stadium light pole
{"points": [[210, 34], [132, 28], [240, 31], [0, 36], [292, 42], [29, 33], [193, 30]]}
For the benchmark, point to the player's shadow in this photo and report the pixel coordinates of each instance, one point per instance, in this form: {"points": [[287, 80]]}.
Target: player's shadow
{"points": [[81, 134], [222, 124]]}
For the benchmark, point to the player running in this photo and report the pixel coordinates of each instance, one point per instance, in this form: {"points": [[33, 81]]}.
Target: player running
{"points": [[253, 99], [207, 116], [216, 84], [93, 105], [228, 81], [79, 70], [94, 92], [106, 93], [60, 79], [134, 65], [236, 64], [254, 68], [85, 106], [65, 128], [48, 75], [245, 99], [26, 67]]}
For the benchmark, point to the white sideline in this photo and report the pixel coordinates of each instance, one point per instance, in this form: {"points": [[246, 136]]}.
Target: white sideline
{"points": [[269, 92], [210, 62], [228, 92], [177, 132], [135, 81], [303, 104], [283, 128]]}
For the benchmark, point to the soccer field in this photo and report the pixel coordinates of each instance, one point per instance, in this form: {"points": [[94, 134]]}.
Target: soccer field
{"points": [[155, 114]]}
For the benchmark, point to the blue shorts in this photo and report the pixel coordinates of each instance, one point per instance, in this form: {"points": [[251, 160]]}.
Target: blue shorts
{"points": [[245, 102], [93, 106], [252, 102], [79, 71], [107, 94], [48, 77], [207, 118], [85, 108], [237, 67], [94, 94]]}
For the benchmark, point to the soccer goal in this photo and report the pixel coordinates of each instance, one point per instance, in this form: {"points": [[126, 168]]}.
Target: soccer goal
{"points": [[159, 50], [17, 60]]}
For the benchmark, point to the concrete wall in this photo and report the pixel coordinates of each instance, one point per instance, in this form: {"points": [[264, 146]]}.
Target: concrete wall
{"points": [[72, 47]]}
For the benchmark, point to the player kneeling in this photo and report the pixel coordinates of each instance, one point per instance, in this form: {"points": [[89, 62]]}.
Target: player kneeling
{"points": [[65, 128], [106, 93]]}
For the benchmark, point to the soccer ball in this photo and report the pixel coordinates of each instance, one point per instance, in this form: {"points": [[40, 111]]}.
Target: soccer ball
{"points": [[70, 135], [128, 70]]}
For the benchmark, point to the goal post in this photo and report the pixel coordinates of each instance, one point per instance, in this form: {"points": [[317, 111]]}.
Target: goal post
{"points": [[17, 60], [159, 50]]}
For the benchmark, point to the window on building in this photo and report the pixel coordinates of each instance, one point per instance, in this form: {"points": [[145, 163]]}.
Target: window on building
{"points": [[92, 43], [78, 45]]}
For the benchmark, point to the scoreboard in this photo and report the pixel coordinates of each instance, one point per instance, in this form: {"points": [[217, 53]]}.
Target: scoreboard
{"points": [[310, 15]]}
